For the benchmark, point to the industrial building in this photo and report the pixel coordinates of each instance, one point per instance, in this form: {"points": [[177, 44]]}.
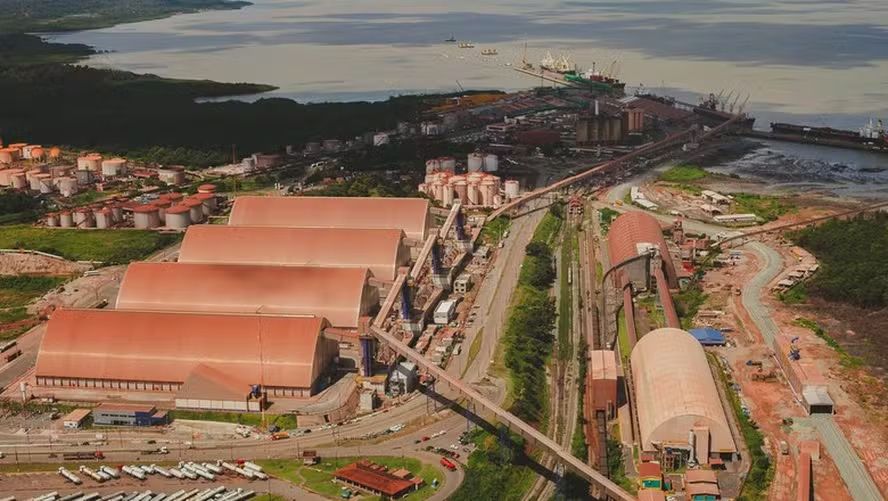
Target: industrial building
{"points": [[382, 251], [633, 233], [341, 295], [377, 479], [177, 354], [410, 215], [676, 400], [126, 414]]}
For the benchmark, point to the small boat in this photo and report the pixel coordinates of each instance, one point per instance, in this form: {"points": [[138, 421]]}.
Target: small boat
{"points": [[451, 39], [489, 52], [466, 45]]}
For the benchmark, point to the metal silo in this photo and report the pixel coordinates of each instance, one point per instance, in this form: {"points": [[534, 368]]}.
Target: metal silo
{"points": [[491, 163], [512, 189], [66, 220], [146, 217], [476, 162], [178, 216], [52, 220], [196, 208]]}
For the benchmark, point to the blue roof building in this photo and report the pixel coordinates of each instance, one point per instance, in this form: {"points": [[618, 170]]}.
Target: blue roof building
{"points": [[708, 336]]}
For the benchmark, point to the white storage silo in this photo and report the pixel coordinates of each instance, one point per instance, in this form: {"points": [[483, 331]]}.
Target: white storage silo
{"points": [[488, 190], [103, 217], [178, 216], [52, 220], [162, 204], [433, 165], [19, 180], [33, 180], [146, 217], [83, 218], [196, 208], [491, 163], [209, 202], [513, 189], [66, 220], [114, 167], [67, 185], [472, 194], [46, 183], [448, 164], [460, 188], [206, 188], [476, 162], [447, 197], [7, 156]]}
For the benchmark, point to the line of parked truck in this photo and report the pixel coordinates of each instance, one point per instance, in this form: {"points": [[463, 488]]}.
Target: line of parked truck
{"points": [[220, 493], [184, 470]]}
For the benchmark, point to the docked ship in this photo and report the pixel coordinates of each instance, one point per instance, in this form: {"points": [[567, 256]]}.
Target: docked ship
{"points": [[871, 137], [562, 70]]}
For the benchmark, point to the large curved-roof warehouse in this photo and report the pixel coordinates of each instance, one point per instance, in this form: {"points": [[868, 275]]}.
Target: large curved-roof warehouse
{"points": [[632, 228], [411, 215], [156, 351], [382, 251], [341, 295], [675, 392]]}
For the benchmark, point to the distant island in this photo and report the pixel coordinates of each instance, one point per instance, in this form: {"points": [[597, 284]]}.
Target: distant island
{"points": [[53, 16]]}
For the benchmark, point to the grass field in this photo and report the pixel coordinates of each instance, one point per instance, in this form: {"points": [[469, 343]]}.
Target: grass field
{"points": [[106, 246], [18, 291], [683, 174], [282, 421], [319, 478], [766, 207]]}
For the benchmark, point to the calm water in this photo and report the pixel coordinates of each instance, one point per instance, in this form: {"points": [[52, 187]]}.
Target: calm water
{"points": [[821, 61]]}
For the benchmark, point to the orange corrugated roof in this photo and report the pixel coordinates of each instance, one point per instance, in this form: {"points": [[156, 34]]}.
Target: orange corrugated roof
{"points": [[408, 214], [373, 476], [381, 251], [635, 227], [166, 347], [341, 295], [675, 391]]}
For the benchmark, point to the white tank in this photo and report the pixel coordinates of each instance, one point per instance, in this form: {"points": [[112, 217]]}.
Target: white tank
{"points": [[66, 220], [476, 162], [447, 197], [103, 218], [67, 185], [472, 193], [146, 217], [461, 190], [46, 184], [52, 220], [448, 164], [19, 181], [178, 216], [497, 201], [491, 163], [196, 208], [114, 167], [433, 165], [83, 218], [33, 181], [513, 189], [488, 190]]}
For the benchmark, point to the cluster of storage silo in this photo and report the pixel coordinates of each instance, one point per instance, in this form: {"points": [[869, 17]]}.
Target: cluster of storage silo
{"points": [[172, 210], [441, 164], [476, 189], [479, 162]]}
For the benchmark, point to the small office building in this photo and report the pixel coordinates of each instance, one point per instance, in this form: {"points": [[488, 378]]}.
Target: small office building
{"points": [[126, 414]]}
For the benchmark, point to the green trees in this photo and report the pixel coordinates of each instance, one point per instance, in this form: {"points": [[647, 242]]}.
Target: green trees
{"points": [[854, 259]]}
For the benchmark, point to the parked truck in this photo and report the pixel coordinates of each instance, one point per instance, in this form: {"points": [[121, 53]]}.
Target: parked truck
{"points": [[83, 455]]}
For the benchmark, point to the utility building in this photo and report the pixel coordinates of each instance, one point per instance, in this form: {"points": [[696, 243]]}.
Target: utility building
{"points": [[382, 251], [410, 215], [676, 399], [341, 295], [203, 361]]}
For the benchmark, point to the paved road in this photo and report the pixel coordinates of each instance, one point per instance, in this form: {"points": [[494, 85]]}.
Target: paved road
{"points": [[854, 473]]}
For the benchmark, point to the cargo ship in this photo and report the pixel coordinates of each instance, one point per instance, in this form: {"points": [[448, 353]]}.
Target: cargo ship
{"points": [[562, 71], [871, 137]]}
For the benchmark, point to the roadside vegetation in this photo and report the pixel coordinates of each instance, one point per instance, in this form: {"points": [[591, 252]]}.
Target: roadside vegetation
{"points": [[688, 303], [853, 258], [761, 469], [764, 206], [282, 421], [492, 232], [528, 336], [845, 358], [496, 469], [365, 185], [18, 207], [683, 174], [797, 294], [616, 467], [319, 478], [607, 216], [104, 246], [18, 291]]}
